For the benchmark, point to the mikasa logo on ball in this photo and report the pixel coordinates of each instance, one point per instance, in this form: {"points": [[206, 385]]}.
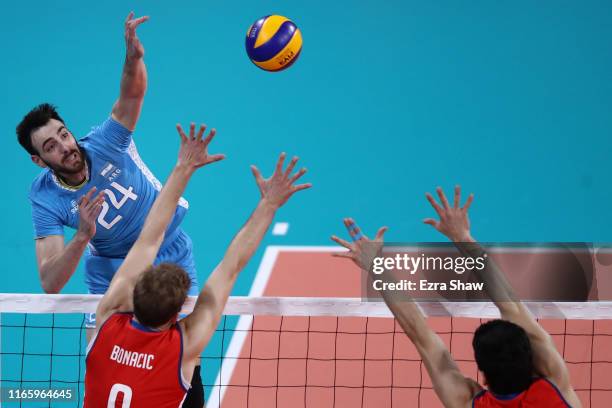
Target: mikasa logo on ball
{"points": [[287, 58]]}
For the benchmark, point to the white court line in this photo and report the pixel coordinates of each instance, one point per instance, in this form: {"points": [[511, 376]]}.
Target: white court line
{"points": [[280, 228], [244, 324]]}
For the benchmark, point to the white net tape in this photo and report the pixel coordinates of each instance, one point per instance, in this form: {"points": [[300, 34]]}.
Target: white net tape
{"points": [[313, 306]]}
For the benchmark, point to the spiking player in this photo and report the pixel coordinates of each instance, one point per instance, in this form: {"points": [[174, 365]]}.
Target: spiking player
{"points": [[141, 357], [521, 365], [106, 162]]}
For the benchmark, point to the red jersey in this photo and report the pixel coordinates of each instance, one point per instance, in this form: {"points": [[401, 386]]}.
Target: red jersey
{"points": [[540, 394], [130, 366]]}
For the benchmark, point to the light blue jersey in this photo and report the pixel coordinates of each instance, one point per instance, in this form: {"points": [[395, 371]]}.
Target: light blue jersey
{"points": [[115, 167]]}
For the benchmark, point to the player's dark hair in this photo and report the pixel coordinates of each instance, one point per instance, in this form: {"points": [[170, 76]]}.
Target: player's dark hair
{"points": [[160, 293], [503, 353], [36, 118]]}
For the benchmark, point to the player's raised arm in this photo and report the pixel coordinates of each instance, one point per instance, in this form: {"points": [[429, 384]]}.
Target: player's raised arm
{"points": [[134, 77], [454, 224], [275, 191], [193, 154], [453, 389]]}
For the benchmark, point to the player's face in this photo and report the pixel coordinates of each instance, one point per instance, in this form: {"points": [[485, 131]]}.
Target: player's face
{"points": [[57, 149]]}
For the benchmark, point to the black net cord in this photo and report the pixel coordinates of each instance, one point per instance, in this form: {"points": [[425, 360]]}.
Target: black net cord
{"points": [[221, 361], [250, 359], [23, 342], [307, 352], [280, 330], [51, 356]]}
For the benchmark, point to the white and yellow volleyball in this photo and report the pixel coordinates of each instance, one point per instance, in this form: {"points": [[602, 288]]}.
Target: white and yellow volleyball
{"points": [[273, 43]]}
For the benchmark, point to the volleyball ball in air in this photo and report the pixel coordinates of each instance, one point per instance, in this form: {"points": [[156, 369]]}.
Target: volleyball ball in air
{"points": [[273, 43]]}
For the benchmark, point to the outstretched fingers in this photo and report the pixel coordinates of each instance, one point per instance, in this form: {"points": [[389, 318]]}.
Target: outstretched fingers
{"points": [[443, 199], [197, 145], [341, 242], [131, 22], [434, 204], [468, 202], [210, 137], [301, 187], [201, 132], [457, 198], [353, 229], [290, 167], [345, 254], [138, 21], [257, 174], [430, 221], [215, 158], [297, 175], [279, 164], [181, 133], [380, 233]]}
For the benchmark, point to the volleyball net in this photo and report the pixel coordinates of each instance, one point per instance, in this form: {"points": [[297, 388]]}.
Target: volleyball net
{"points": [[298, 352]]}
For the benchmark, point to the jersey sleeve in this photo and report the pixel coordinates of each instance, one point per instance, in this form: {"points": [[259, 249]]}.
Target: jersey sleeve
{"points": [[111, 136], [46, 221]]}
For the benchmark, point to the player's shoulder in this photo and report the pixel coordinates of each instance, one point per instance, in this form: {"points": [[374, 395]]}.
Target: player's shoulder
{"points": [[46, 189], [117, 320], [121, 316], [546, 386], [476, 392], [544, 383], [108, 127], [41, 183], [541, 388]]}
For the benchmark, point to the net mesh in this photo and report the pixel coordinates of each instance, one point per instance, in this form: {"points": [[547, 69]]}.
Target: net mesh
{"points": [[301, 352]]}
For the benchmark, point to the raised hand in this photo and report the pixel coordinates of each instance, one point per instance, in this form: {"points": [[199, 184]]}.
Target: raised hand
{"points": [[363, 250], [194, 150], [454, 221], [133, 45], [88, 212], [277, 189]]}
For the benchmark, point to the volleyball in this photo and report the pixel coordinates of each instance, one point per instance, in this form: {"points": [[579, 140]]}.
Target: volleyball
{"points": [[273, 43]]}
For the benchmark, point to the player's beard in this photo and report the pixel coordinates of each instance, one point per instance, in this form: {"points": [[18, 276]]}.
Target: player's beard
{"points": [[69, 166]]}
